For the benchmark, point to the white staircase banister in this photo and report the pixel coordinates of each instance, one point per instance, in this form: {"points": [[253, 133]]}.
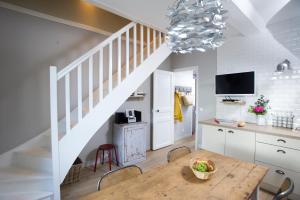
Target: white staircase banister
{"points": [[78, 61], [97, 102]]}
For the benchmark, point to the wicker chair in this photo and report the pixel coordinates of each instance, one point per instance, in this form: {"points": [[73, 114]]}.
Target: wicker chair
{"points": [[285, 190], [178, 153], [122, 174]]}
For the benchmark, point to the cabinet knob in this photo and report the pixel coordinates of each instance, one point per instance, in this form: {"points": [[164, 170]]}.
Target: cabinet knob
{"points": [[280, 172], [157, 110], [280, 150], [220, 130], [230, 131], [281, 140]]}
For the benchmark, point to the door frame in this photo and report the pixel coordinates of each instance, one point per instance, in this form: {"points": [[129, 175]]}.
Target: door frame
{"points": [[196, 70], [172, 110]]}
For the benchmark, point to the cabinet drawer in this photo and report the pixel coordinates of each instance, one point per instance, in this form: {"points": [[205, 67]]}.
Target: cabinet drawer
{"points": [[275, 177], [278, 156], [279, 141]]}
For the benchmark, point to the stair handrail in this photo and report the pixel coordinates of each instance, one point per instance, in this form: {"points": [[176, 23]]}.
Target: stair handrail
{"points": [[92, 51]]}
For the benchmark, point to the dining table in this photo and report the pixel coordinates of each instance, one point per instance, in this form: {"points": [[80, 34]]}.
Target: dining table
{"points": [[234, 179]]}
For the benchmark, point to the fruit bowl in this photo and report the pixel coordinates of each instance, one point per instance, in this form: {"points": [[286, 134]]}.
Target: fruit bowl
{"points": [[203, 169]]}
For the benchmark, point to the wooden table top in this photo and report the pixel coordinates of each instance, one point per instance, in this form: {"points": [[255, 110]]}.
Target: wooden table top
{"points": [[234, 179]]}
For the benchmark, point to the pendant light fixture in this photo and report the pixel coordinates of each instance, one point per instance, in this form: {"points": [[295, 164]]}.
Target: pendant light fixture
{"points": [[196, 25], [284, 66]]}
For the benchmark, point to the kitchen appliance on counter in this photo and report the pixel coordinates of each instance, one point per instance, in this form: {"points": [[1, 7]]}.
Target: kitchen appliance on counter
{"points": [[129, 116]]}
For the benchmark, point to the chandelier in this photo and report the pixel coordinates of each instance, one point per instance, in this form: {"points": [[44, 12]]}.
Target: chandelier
{"points": [[196, 25]]}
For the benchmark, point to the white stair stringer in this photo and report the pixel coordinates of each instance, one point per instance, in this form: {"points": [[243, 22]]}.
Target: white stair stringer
{"points": [[72, 144]]}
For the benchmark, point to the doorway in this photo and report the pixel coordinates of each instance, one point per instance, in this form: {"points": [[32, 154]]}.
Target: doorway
{"points": [[166, 129], [185, 90]]}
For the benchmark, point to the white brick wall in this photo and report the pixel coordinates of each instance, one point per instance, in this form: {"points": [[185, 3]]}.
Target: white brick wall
{"points": [[260, 53]]}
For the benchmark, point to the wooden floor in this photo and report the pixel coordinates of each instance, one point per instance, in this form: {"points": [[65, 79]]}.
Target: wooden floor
{"points": [[89, 179]]}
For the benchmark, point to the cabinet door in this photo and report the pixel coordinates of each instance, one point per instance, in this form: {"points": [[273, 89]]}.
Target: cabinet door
{"points": [[213, 139], [240, 145], [135, 144]]}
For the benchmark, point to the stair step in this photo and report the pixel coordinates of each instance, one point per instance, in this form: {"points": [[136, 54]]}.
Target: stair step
{"points": [[14, 179], [15, 174], [38, 195], [37, 159]]}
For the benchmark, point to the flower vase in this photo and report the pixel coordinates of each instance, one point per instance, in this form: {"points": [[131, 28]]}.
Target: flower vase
{"points": [[261, 120]]}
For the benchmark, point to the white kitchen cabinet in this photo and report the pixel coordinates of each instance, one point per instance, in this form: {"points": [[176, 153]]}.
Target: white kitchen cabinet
{"points": [[275, 177], [280, 154], [240, 144], [130, 141], [213, 139], [231, 142]]}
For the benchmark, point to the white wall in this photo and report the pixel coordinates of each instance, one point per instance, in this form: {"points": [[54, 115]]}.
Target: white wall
{"points": [[29, 45], [185, 128], [260, 53]]}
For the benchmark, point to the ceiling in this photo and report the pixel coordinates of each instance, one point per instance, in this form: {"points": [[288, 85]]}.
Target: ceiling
{"points": [[246, 17], [268, 8], [152, 13], [285, 27]]}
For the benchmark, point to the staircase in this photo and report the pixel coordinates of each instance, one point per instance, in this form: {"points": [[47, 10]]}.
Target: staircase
{"points": [[82, 119], [88, 91]]}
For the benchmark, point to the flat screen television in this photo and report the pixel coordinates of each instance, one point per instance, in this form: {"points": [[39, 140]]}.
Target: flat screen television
{"points": [[238, 84]]}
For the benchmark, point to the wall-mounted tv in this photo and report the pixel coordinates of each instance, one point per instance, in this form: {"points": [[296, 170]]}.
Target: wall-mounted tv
{"points": [[238, 84]]}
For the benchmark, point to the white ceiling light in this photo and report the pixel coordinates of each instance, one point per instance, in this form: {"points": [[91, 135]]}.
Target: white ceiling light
{"points": [[196, 25]]}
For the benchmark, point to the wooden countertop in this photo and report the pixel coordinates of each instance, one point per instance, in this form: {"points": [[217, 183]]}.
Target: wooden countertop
{"points": [[234, 180], [284, 132]]}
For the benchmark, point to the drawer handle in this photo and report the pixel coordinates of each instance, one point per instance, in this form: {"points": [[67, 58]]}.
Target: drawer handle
{"points": [[280, 150], [220, 130], [281, 140], [280, 172], [230, 131]]}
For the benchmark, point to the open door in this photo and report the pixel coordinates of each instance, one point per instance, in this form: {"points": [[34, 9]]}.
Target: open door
{"points": [[163, 106]]}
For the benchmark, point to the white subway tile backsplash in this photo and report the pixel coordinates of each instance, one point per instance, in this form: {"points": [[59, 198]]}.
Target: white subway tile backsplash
{"points": [[261, 54]]}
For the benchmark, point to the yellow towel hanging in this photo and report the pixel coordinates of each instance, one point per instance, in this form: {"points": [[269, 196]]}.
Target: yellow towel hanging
{"points": [[177, 107]]}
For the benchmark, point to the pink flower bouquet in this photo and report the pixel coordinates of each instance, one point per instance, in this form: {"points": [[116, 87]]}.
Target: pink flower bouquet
{"points": [[261, 106]]}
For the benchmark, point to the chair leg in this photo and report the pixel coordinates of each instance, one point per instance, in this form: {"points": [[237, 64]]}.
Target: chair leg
{"points": [[116, 156], [95, 167], [102, 157], [109, 159]]}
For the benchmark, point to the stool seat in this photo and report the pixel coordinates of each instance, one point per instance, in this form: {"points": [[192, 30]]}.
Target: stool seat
{"points": [[110, 148], [106, 146]]}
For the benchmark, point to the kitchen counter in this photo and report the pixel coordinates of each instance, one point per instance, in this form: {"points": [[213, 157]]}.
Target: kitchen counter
{"points": [[284, 132]]}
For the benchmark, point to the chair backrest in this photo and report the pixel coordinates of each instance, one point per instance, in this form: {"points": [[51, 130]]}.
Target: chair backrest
{"points": [[178, 153], [285, 190], [113, 177]]}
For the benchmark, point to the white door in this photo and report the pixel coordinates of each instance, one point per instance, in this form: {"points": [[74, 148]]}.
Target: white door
{"points": [[163, 106], [240, 144], [213, 139]]}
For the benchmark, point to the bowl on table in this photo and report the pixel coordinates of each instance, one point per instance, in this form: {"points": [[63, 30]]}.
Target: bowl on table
{"points": [[203, 169]]}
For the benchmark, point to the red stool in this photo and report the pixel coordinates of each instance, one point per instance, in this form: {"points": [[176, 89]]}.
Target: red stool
{"points": [[109, 148]]}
